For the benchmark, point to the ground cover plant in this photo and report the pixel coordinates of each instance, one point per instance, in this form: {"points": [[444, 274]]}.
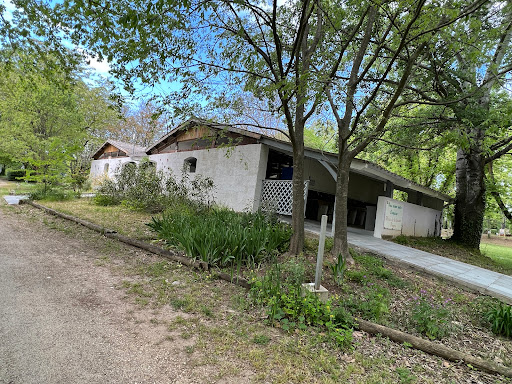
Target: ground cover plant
{"points": [[291, 307], [371, 289]]}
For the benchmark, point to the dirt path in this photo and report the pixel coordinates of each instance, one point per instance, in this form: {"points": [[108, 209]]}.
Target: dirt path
{"points": [[63, 321], [5, 183]]}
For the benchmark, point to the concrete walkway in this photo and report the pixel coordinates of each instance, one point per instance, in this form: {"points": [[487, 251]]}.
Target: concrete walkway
{"points": [[482, 280], [14, 199]]}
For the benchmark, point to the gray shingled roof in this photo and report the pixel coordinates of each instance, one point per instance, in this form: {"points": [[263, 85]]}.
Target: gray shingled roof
{"points": [[131, 150]]}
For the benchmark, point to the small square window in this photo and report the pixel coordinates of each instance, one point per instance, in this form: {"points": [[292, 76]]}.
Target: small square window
{"points": [[190, 164]]}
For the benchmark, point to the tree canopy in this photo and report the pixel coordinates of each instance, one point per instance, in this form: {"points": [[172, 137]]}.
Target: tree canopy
{"points": [[48, 122]]}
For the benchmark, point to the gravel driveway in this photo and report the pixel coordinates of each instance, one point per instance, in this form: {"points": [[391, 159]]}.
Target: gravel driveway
{"points": [[63, 321]]}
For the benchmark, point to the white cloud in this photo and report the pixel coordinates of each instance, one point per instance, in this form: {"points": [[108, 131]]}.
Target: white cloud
{"points": [[99, 66], [9, 5]]}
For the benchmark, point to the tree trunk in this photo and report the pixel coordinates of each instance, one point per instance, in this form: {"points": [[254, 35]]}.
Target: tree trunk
{"points": [[470, 196], [341, 209], [470, 172], [460, 196], [297, 240]]}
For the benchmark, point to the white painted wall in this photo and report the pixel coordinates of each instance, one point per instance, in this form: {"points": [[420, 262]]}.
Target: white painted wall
{"points": [[97, 173], [416, 220], [237, 172]]}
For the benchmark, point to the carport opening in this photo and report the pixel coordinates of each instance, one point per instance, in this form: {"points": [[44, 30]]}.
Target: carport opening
{"points": [[319, 204]]}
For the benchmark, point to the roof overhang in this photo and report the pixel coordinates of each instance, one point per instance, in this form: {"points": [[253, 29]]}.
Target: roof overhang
{"points": [[194, 122], [362, 167]]}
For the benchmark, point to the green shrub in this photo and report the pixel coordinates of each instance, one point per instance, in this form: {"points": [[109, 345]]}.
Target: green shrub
{"points": [[430, 317], [223, 237], [500, 317], [142, 187], [42, 192], [14, 174], [79, 181], [108, 194]]}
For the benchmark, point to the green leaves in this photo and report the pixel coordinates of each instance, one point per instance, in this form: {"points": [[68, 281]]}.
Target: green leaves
{"points": [[46, 119], [223, 237], [290, 308], [500, 317]]}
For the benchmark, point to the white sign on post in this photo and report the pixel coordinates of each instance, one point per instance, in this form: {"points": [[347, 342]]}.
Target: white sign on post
{"points": [[393, 215]]}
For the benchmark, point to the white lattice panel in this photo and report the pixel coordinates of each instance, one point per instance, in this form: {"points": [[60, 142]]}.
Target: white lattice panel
{"points": [[277, 196]]}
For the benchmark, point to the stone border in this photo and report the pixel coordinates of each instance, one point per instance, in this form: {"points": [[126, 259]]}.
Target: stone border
{"points": [[112, 234]]}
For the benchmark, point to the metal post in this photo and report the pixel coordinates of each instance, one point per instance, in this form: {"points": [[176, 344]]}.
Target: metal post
{"points": [[320, 256]]}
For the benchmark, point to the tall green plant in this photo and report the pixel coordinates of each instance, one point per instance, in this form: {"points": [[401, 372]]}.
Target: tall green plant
{"points": [[221, 236], [500, 317]]}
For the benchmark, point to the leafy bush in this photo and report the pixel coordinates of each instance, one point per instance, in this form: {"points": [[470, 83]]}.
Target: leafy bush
{"points": [[280, 290], [42, 192], [14, 174], [430, 317], [108, 194], [500, 317], [142, 187], [79, 180], [222, 237]]}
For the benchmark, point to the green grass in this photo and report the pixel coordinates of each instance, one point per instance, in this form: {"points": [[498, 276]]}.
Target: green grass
{"points": [[500, 254], [119, 218], [15, 187]]}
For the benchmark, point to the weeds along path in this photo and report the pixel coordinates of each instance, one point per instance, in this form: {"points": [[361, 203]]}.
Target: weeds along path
{"points": [[62, 320]]}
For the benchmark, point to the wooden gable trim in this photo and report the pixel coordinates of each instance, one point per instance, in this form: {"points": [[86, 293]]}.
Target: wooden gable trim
{"points": [[109, 151], [199, 133]]}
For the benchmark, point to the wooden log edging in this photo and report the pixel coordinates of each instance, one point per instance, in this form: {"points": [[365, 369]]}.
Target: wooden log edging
{"points": [[433, 348], [112, 234], [424, 345]]}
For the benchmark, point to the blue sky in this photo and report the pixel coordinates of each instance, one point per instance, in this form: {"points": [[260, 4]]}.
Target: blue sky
{"points": [[101, 69]]}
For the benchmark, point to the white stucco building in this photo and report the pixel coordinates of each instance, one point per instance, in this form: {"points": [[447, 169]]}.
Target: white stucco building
{"points": [[251, 170], [111, 155]]}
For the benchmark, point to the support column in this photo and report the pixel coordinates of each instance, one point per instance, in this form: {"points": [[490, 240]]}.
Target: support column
{"points": [[388, 189]]}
